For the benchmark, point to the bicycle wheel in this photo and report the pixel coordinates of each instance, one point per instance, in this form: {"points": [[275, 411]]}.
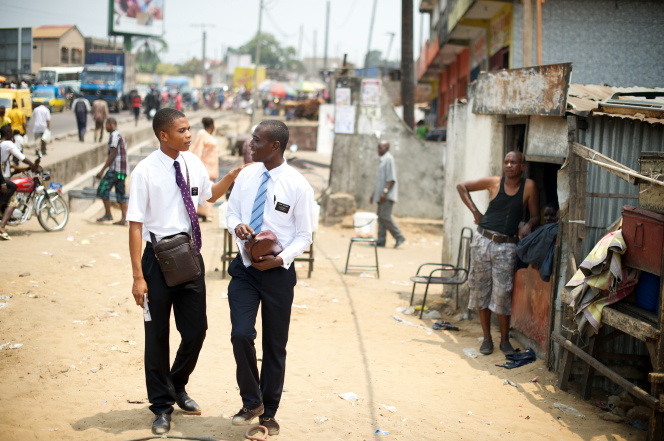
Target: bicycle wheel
{"points": [[52, 213]]}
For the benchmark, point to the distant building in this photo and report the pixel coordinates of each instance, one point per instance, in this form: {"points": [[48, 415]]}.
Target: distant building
{"points": [[101, 44], [603, 39], [314, 65], [57, 46]]}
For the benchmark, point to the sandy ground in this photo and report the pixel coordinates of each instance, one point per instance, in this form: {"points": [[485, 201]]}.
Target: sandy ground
{"points": [[79, 372]]}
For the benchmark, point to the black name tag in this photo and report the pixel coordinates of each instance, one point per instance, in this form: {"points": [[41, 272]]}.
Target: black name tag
{"points": [[194, 191], [282, 207]]}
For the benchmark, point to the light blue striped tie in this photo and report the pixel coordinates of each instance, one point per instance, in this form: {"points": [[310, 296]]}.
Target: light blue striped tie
{"points": [[259, 205]]}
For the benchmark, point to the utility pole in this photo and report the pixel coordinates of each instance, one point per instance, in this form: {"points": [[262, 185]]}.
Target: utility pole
{"points": [[257, 60], [421, 31], [366, 58], [407, 80], [327, 30], [299, 45], [203, 70], [387, 54], [527, 33], [313, 63], [539, 31]]}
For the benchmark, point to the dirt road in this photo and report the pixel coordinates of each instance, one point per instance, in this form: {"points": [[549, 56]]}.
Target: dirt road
{"points": [[79, 372]]}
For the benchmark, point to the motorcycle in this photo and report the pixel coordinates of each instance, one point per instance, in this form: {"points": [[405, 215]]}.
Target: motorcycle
{"points": [[49, 205]]}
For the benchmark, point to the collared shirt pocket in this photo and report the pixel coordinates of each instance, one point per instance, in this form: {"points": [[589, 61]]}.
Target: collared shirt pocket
{"points": [[282, 210]]}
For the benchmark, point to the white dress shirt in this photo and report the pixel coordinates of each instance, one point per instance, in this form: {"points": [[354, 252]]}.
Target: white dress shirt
{"points": [[155, 198], [286, 186]]}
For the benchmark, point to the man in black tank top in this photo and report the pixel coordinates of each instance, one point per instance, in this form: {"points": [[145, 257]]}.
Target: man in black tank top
{"points": [[493, 248]]}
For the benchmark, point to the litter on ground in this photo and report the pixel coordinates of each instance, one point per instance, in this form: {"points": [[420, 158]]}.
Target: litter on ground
{"points": [[470, 352], [510, 383], [568, 410], [349, 396], [390, 408]]}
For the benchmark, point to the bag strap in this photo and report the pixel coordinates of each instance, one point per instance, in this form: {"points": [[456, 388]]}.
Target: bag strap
{"points": [[154, 243]]}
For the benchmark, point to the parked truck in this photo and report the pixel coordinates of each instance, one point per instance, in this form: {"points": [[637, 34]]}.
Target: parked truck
{"points": [[111, 74]]}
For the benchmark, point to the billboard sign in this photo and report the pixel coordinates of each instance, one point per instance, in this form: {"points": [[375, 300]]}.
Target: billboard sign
{"points": [[136, 17], [244, 76]]}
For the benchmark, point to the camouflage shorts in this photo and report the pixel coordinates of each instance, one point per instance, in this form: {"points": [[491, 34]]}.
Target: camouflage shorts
{"points": [[491, 277]]}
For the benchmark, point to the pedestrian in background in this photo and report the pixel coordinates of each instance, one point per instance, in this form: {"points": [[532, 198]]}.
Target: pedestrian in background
{"points": [[205, 147], [385, 195], [4, 119], [81, 107], [136, 105], [99, 114], [195, 98], [17, 117], [178, 101], [42, 117], [18, 141], [118, 168]]}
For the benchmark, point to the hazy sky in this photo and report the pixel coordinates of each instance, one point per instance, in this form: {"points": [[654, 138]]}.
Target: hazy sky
{"points": [[236, 22]]}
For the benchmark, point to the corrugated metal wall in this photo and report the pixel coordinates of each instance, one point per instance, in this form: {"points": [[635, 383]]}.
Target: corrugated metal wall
{"points": [[621, 140]]}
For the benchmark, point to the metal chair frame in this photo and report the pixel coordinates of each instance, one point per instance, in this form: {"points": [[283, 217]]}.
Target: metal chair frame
{"points": [[455, 279], [372, 242]]}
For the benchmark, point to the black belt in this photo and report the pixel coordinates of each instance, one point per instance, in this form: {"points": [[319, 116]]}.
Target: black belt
{"points": [[498, 238]]}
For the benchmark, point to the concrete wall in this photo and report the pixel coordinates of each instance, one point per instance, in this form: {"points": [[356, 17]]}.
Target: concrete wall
{"points": [[608, 41], [474, 150], [420, 167], [305, 135]]}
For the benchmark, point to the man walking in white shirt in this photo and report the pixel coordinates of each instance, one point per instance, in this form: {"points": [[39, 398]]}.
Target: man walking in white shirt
{"points": [[42, 117], [165, 188], [268, 195]]}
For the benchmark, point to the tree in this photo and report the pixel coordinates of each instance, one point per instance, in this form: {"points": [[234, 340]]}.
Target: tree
{"points": [[272, 54], [374, 60], [147, 57], [166, 69], [190, 67]]}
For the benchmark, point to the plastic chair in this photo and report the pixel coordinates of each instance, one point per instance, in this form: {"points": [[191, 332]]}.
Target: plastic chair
{"points": [[459, 273]]}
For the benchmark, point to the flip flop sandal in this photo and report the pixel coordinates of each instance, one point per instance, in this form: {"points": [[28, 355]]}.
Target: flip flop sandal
{"points": [[120, 222], [486, 348], [5, 236], [104, 219]]}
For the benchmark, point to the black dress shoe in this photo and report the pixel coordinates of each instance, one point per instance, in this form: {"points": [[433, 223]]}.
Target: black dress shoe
{"points": [[162, 424], [187, 404], [245, 416], [270, 424]]}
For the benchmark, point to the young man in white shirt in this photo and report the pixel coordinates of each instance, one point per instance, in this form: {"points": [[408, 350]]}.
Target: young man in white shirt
{"points": [[268, 195], [165, 188], [42, 117], [8, 149]]}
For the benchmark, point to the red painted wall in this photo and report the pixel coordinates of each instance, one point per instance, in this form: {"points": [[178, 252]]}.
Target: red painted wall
{"points": [[453, 84], [530, 305]]}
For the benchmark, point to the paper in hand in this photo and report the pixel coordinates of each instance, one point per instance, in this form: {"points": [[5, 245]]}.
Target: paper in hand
{"points": [[146, 310], [245, 257]]}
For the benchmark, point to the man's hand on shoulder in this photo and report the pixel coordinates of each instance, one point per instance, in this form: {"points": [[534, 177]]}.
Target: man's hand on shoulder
{"points": [[268, 262]]}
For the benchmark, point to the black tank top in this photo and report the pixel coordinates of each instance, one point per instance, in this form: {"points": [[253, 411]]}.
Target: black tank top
{"points": [[504, 212]]}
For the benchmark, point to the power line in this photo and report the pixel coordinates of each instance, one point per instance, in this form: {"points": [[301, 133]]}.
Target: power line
{"points": [[350, 12], [283, 34]]}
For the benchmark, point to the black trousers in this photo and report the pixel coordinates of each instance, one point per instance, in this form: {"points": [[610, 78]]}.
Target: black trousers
{"points": [[188, 302], [273, 290], [11, 189]]}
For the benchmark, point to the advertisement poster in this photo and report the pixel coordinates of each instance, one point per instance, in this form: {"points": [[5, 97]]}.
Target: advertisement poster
{"points": [[325, 140], [138, 17], [370, 92], [342, 96], [344, 119]]}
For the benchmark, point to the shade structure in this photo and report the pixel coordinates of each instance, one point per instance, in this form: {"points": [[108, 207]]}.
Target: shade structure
{"points": [[310, 86], [2, 79], [266, 85], [278, 89]]}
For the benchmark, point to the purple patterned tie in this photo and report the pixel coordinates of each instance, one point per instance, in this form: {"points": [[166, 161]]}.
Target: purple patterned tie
{"points": [[189, 204]]}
